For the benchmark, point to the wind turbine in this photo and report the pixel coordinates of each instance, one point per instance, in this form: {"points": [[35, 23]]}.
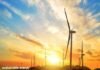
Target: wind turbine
{"points": [[81, 58], [33, 60], [70, 38], [45, 57], [82, 54]]}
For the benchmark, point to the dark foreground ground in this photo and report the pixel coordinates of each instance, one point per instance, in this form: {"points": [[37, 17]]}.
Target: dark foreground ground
{"points": [[54, 68], [59, 68]]}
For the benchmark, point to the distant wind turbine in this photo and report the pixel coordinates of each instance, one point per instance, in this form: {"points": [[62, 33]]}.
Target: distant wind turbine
{"points": [[70, 38], [33, 60], [82, 54], [81, 59]]}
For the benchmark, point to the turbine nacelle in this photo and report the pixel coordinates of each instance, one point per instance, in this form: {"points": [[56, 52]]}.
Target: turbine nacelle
{"points": [[72, 31], [83, 54]]}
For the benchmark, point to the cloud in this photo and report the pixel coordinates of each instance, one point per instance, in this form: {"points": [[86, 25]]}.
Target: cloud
{"points": [[5, 32], [52, 14], [93, 53], [7, 14], [78, 50], [93, 33], [23, 55], [24, 16], [73, 12], [83, 24], [31, 41], [11, 8], [89, 53], [53, 29], [53, 11], [84, 1], [30, 3]]}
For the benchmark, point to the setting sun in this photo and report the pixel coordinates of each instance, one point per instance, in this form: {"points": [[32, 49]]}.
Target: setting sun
{"points": [[53, 59]]}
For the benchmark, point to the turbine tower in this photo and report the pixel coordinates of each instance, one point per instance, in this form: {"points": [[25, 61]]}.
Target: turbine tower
{"points": [[82, 54], [70, 40]]}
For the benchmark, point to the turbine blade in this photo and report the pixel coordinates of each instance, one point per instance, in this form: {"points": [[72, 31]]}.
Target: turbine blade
{"points": [[67, 19], [67, 46]]}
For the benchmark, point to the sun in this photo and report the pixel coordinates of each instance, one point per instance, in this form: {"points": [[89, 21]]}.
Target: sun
{"points": [[53, 59]]}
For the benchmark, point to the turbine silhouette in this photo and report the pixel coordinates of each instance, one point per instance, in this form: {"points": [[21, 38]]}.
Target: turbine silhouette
{"points": [[82, 54], [70, 38], [81, 58]]}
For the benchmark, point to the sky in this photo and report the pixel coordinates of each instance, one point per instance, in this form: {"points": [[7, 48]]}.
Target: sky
{"points": [[28, 27]]}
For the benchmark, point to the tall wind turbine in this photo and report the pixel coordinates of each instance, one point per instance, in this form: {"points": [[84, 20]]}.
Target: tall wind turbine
{"points": [[70, 38], [82, 54]]}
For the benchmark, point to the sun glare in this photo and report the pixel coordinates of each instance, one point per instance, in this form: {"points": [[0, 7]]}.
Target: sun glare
{"points": [[53, 59]]}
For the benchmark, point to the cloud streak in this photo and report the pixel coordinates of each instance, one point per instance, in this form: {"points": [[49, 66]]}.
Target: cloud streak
{"points": [[30, 40], [30, 3], [23, 55], [16, 11]]}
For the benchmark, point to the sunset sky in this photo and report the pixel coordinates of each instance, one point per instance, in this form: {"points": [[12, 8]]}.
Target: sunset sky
{"points": [[28, 27]]}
